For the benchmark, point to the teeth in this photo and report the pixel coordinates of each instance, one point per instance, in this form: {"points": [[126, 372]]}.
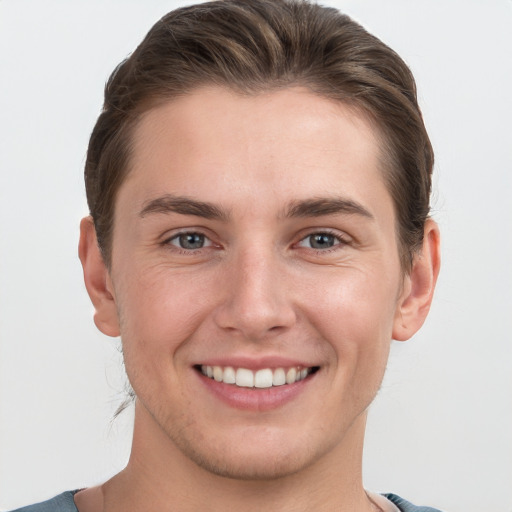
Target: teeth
{"points": [[229, 375], [264, 378], [244, 378], [279, 377], [218, 373], [291, 375]]}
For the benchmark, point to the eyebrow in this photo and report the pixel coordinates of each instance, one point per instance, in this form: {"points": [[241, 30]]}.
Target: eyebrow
{"points": [[318, 207], [184, 206]]}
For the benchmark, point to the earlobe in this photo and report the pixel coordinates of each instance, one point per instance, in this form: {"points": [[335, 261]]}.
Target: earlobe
{"points": [[419, 285], [97, 280]]}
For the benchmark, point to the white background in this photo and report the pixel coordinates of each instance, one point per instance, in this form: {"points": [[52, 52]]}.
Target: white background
{"points": [[440, 431]]}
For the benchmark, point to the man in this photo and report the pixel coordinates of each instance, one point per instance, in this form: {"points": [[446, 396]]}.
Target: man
{"points": [[259, 185]]}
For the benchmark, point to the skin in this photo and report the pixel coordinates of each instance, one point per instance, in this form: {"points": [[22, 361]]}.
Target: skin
{"points": [[258, 288]]}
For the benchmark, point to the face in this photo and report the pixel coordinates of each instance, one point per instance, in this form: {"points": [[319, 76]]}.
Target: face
{"points": [[256, 277]]}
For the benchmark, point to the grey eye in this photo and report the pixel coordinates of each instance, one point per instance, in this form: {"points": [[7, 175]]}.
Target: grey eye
{"points": [[189, 241], [321, 241]]}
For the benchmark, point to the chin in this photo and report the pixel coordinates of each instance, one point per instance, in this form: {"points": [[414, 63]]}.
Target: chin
{"points": [[257, 468], [247, 460]]}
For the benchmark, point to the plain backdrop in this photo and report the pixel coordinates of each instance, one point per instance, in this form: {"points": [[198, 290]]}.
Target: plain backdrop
{"points": [[440, 430]]}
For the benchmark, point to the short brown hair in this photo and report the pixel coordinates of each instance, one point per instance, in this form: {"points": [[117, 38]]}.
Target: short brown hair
{"points": [[253, 46]]}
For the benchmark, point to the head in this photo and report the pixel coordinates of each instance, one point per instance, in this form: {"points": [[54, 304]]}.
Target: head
{"points": [[258, 183], [257, 47]]}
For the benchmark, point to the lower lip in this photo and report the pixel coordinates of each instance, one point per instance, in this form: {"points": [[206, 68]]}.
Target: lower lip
{"points": [[256, 399]]}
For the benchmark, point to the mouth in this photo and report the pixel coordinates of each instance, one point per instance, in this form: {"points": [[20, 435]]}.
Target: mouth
{"points": [[263, 378]]}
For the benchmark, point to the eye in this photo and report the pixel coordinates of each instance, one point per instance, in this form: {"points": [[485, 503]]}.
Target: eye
{"points": [[190, 241], [319, 241]]}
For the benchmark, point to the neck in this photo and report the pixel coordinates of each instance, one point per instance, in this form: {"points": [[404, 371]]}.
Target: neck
{"points": [[160, 477]]}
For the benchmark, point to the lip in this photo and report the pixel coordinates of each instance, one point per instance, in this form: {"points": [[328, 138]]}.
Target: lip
{"points": [[257, 363], [255, 399]]}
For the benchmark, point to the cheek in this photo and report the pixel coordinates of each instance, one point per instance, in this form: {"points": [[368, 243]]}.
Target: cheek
{"points": [[355, 316], [160, 310], [355, 301]]}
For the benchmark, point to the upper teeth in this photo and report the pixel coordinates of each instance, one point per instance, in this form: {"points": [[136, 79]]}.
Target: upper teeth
{"points": [[264, 378]]}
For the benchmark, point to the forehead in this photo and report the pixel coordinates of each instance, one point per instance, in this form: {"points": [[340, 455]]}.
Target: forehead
{"points": [[291, 142]]}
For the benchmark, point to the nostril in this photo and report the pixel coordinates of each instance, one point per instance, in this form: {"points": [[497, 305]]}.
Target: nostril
{"points": [[254, 320]]}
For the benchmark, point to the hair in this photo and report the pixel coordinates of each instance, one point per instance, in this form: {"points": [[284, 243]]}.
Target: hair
{"points": [[257, 46]]}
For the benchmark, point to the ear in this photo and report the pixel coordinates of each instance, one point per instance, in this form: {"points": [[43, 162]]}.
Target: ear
{"points": [[97, 280], [418, 289]]}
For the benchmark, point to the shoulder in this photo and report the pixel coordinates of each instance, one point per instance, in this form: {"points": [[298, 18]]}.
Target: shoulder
{"points": [[62, 503], [405, 506]]}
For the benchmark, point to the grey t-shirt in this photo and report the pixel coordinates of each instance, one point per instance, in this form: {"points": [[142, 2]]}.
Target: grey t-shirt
{"points": [[65, 503], [62, 503]]}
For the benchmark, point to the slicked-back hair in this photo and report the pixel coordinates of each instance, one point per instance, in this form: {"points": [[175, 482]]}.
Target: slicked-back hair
{"points": [[253, 47]]}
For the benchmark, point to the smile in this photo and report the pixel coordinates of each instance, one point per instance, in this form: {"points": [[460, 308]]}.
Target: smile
{"points": [[263, 378]]}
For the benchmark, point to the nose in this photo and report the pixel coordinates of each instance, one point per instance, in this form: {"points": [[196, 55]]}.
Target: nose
{"points": [[257, 300]]}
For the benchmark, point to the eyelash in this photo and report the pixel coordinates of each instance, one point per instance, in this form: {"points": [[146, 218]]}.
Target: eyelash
{"points": [[206, 241], [339, 241]]}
